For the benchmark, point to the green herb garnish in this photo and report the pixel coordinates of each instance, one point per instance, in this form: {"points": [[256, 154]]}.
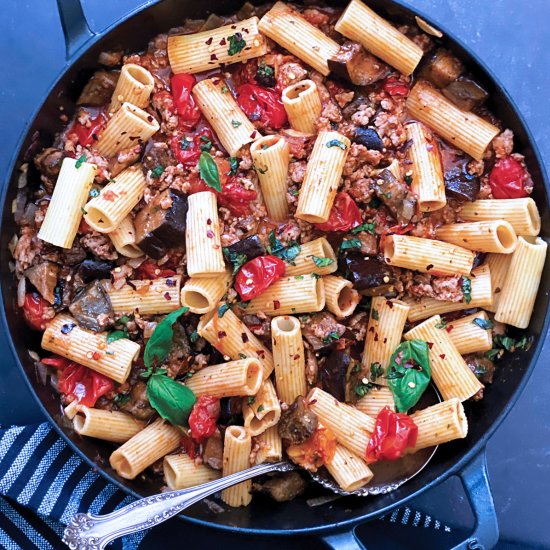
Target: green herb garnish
{"points": [[172, 400], [483, 323], [336, 143], [322, 262], [116, 335], [157, 171], [222, 310], [350, 244], [236, 43], [236, 259], [277, 248], [208, 171], [467, 289], [81, 160], [368, 227]]}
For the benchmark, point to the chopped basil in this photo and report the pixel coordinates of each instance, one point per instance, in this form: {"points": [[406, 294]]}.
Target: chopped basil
{"points": [[242, 356], [194, 336], [483, 323], [362, 389], [172, 400], [251, 399], [236, 43], [408, 179], [368, 227], [116, 335], [208, 170], [121, 399], [185, 144], [494, 354], [376, 370], [235, 123], [222, 310], [234, 165], [236, 259], [260, 409], [511, 344], [205, 145], [336, 143], [316, 275], [322, 262], [350, 244], [374, 314], [157, 171], [277, 248], [467, 289], [441, 324], [81, 160], [261, 170], [83, 211], [331, 337]]}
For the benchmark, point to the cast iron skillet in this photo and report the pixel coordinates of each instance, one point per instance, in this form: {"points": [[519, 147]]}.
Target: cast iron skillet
{"points": [[335, 523]]}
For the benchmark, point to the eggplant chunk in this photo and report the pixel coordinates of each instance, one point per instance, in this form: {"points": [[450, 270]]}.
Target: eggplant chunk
{"points": [[44, 278], [368, 137], [283, 487], [251, 247], [442, 69], [465, 93], [297, 423], [354, 63], [333, 373], [92, 307], [138, 405], [99, 89], [90, 270], [460, 185], [365, 272], [397, 197], [159, 228]]}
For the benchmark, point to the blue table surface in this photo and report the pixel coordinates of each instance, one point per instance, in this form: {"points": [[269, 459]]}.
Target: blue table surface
{"points": [[515, 43]]}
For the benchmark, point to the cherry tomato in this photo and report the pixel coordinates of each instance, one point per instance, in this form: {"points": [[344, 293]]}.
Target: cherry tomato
{"points": [[34, 311], [187, 148], [258, 274], [83, 383], [203, 417], [344, 215], [190, 447], [507, 179], [316, 451], [188, 112], [262, 104], [150, 270], [395, 87], [88, 134], [393, 434]]}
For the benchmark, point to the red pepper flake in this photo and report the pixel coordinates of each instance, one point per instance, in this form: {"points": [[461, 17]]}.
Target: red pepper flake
{"points": [[389, 303], [253, 134], [213, 57], [223, 42], [312, 402], [388, 260], [244, 337], [210, 234], [261, 353], [209, 41], [371, 329], [376, 337], [385, 340], [169, 282], [430, 345], [167, 296], [208, 221], [449, 328], [276, 304], [296, 357], [96, 356], [442, 356], [221, 334], [429, 266]]}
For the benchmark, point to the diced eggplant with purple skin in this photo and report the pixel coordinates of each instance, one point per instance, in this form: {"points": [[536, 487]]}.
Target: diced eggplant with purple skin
{"points": [[368, 137], [90, 270], [213, 451], [158, 229], [397, 197], [358, 66], [322, 330], [92, 307], [297, 423], [138, 405], [44, 278], [251, 247], [465, 93], [231, 410], [442, 68], [49, 161], [365, 272], [283, 487], [332, 373], [99, 89], [481, 366]]}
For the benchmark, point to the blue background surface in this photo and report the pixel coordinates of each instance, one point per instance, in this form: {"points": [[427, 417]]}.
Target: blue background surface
{"points": [[513, 38]]}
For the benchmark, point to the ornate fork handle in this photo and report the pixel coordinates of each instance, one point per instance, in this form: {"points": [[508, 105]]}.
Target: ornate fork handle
{"points": [[92, 532]]}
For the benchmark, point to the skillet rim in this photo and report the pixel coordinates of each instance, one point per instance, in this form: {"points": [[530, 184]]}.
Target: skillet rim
{"points": [[469, 455]]}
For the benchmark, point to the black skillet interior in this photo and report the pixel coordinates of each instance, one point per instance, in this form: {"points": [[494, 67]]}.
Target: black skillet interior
{"points": [[264, 515]]}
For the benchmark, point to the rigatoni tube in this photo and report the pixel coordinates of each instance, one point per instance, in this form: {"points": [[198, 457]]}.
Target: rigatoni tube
{"points": [[236, 457], [322, 178], [271, 156], [202, 294], [202, 236], [270, 446], [114, 426], [376, 399], [134, 86], [470, 336], [349, 470], [490, 236], [341, 298], [262, 411], [315, 256], [499, 265], [182, 472], [70, 194], [303, 105], [124, 239]]}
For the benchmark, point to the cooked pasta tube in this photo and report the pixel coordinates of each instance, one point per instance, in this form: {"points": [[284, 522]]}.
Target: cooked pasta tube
{"points": [[491, 236], [519, 291], [348, 470], [263, 410], [290, 295], [129, 126], [231, 337], [182, 472], [386, 322], [427, 255], [469, 337], [124, 239], [499, 265], [439, 424], [270, 446], [271, 156], [204, 51], [522, 214], [302, 105], [363, 25], [305, 263], [427, 173], [286, 26], [71, 409], [202, 294], [235, 378], [289, 358], [147, 297], [236, 457], [462, 129], [107, 425], [322, 178], [377, 398], [202, 236], [218, 106], [116, 200], [481, 296], [69, 196], [145, 448], [450, 373], [341, 298], [134, 86], [351, 427], [114, 359]]}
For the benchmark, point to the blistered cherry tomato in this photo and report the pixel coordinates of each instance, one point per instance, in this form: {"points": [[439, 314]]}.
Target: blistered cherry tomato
{"points": [[203, 417], [188, 111], [316, 451], [262, 104], [150, 270], [344, 215], [393, 434], [187, 147], [507, 179], [395, 87], [257, 275], [79, 381], [88, 134], [34, 311]]}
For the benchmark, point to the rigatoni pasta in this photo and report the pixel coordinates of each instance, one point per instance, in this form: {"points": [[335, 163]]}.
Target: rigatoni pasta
{"points": [[134, 86], [349, 470], [124, 239], [182, 472], [491, 236], [202, 294], [469, 335], [263, 410], [376, 399], [341, 298], [303, 105], [499, 265], [114, 426], [318, 249], [270, 446], [236, 457]]}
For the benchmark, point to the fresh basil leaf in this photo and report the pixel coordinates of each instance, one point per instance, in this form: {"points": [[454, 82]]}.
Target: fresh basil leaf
{"points": [[336, 143], [411, 362], [362, 389], [350, 244], [116, 335], [494, 354], [236, 43], [376, 370], [483, 323], [251, 399], [159, 345], [467, 289], [172, 400], [322, 262], [511, 344], [375, 315], [208, 171], [277, 248], [121, 398], [237, 260]]}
